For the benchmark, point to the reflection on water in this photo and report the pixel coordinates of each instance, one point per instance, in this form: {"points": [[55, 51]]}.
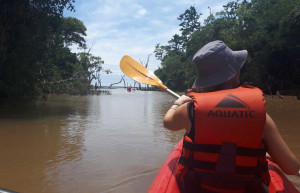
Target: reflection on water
{"points": [[106, 143], [37, 143]]}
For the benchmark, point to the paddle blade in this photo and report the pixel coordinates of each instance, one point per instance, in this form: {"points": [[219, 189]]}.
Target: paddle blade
{"points": [[139, 73]]}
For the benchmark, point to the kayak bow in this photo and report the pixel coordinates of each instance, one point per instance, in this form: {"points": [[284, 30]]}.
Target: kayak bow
{"points": [[165, 181]]}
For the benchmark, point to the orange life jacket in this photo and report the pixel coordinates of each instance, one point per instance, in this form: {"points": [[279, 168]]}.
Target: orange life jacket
{"points": [[226, 154]]}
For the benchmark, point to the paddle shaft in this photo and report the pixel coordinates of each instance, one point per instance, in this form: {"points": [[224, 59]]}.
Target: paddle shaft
{"points": [[172, 93]]}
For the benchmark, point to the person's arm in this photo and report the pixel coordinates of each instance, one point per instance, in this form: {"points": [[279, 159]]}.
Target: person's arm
{"points": [[278, 149], [177, 117]]}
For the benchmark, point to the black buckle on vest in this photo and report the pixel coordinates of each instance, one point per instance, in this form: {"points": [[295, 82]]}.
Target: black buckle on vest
{"points": [[226, 161]]}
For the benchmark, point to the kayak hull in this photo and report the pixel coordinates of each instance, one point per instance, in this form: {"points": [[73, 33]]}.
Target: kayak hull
{"points": [[165, 181]]}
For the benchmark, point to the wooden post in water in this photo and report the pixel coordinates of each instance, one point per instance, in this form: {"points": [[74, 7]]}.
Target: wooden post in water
{"points": [[270, 92], [279, 95]]}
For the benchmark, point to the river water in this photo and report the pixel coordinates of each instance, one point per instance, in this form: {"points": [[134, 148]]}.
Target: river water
{"points": [[111, 143]]}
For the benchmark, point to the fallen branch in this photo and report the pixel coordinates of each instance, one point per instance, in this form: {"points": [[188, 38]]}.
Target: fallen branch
{"points": [[122, 78]]}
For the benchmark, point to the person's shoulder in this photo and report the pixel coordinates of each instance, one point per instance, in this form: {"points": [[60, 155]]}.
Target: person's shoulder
{"points": [[251, 87]]}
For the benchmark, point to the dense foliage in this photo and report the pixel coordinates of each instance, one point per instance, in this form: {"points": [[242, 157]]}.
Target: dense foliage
{"points": [[268, 29], [35, 57]]}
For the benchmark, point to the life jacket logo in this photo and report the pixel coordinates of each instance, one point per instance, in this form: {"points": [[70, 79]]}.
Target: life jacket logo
{"points": [[238, 108]]}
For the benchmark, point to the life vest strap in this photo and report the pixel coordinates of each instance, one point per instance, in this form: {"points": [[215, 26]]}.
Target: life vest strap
{"points": [[210, 166], [209, 148]]}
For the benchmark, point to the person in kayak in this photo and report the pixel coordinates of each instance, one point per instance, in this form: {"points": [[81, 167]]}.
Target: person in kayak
{"points": [[228, 131]]}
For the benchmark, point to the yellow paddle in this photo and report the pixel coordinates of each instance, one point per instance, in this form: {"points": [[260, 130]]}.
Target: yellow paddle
{"points": [[139, 73]]}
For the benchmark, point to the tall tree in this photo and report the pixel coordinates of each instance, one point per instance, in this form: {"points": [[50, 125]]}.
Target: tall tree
{"points": [[28, 28], [189, 24], [34, 53], [268, 29]]}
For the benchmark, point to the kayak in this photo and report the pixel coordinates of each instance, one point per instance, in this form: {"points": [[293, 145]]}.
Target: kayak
{"points": [[165, 181]]}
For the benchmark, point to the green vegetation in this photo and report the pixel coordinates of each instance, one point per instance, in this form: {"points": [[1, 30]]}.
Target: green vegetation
{"points": [[35, 57], [268, 29]]}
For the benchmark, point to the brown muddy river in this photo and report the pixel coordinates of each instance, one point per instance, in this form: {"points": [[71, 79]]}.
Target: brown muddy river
{"points": [[110, 143]]}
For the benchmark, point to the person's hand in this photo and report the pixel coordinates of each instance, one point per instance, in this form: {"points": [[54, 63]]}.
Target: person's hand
{"points": [[184, 99]]}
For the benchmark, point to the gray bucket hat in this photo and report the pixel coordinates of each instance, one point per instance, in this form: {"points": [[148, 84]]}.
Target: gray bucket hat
{"points": [[216, 63]]}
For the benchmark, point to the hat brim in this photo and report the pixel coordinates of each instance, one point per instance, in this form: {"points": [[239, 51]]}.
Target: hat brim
{"points": [[224, 74]]}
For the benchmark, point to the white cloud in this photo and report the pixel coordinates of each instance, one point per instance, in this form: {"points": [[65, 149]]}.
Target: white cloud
{"points": [[138, 11], [166, 9], [130, 27], [141, 13]]}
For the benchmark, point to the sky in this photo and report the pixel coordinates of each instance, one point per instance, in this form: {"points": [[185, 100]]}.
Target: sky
{"points": [[133, 27]]}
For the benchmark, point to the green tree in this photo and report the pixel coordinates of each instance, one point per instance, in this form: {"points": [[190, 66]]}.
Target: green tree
{"points": [[35, 57], [268, 29], [73, 31], [189, 24], [29, 28]]}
